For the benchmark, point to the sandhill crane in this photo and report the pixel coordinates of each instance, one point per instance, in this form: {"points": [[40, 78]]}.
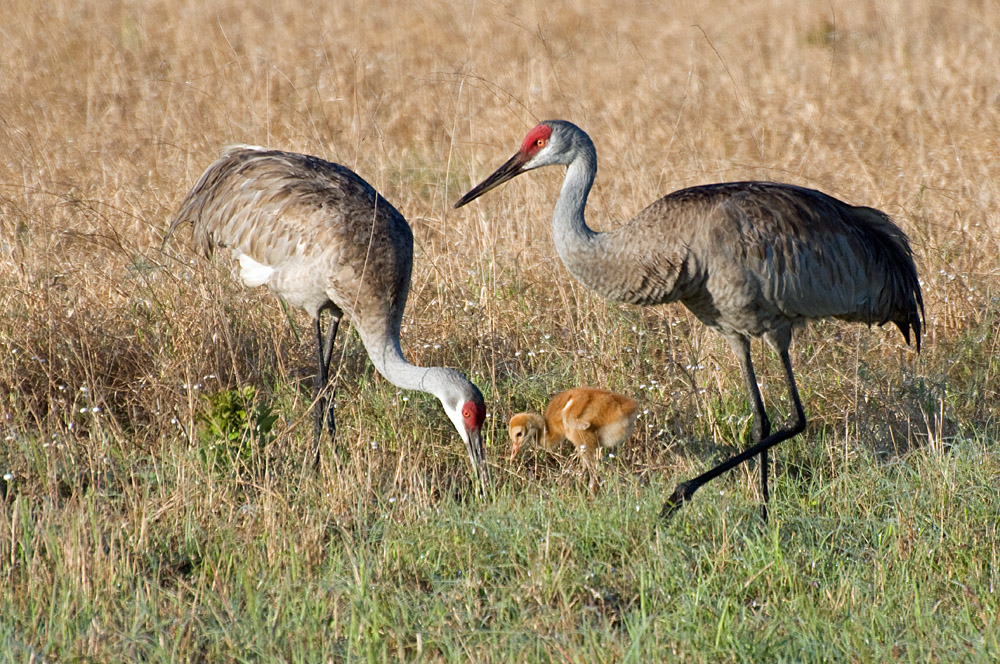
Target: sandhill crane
{"points": [[587, 417], [749, 259], [322, 238]]}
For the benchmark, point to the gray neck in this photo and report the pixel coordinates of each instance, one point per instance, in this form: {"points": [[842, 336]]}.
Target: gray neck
{"points": [[387, 356], [573, 238], [608, 262]]}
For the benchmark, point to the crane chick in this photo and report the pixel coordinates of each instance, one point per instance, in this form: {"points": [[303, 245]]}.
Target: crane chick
{"points": [[587, 417]]}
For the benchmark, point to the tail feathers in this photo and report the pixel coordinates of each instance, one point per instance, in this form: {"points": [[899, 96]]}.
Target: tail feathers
{"points": [[912, 322], [891, 249], [910, 313], [170, 230], [202, 196]]}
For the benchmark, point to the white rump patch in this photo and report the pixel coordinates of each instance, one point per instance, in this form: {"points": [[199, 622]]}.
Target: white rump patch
{"points": [[253, 273]]}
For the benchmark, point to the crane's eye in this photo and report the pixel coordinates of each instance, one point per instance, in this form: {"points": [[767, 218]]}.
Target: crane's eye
{"points": [[466, 413], [541, 142]]}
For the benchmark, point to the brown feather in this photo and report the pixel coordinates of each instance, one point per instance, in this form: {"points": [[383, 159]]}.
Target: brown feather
{"points": [[586, 417]]}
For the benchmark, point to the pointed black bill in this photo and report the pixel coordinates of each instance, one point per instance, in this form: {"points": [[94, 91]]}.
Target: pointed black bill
{"points": [[477, 454], [509, 170]]}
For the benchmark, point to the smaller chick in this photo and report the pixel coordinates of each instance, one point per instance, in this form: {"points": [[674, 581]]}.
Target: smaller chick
{"points": [[587, 417]]}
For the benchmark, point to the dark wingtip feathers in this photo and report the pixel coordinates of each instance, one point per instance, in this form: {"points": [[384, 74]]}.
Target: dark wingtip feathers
{"points": [[915, 316], [905, 301], [912, 320]]}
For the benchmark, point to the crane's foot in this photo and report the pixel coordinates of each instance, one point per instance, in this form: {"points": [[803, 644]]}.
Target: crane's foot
{"points": [[681, 494]]}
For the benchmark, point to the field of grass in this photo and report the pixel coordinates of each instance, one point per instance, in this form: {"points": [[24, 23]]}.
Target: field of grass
{"points": [[155, 503]]}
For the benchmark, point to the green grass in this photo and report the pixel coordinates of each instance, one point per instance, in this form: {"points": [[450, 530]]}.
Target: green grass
{"points": [[895, 560]]}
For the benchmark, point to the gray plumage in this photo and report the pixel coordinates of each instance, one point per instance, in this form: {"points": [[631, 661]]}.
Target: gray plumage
{"points": [[323, 239], [749, 259]]}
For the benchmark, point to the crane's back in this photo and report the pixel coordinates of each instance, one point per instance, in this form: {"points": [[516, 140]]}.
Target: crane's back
{"points": [[314, 231], [753, 257]]}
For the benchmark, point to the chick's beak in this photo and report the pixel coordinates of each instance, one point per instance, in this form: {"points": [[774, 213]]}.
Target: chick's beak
{"points": [[511, 169], [514, 449]]}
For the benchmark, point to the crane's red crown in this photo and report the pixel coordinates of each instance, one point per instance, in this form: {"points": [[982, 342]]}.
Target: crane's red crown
{"points": [[473, 414], [536, 139]]}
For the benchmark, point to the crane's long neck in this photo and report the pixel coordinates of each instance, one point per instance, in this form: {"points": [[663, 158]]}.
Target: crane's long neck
{"points": [[594, 259], [574, 240], [387, 356], [626, 264]]}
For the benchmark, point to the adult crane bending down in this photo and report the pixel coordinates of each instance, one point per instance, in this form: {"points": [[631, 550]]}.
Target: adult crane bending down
{"points": [[322, 238]]}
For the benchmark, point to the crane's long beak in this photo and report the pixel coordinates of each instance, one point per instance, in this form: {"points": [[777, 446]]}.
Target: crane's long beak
{"points": [[511, 169], [477, 454]]}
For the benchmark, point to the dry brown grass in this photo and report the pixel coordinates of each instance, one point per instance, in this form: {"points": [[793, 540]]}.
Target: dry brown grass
{"points": [[110, 111]]}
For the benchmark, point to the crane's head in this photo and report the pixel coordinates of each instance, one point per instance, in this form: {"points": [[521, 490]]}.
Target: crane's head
{"points": [[463, 403], [524, 429], [551, 142]]}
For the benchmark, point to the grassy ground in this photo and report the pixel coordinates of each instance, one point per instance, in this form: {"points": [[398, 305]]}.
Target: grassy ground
{"points": [[139, 518]]}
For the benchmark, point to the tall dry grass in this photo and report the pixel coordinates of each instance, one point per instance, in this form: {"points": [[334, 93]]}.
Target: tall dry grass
{"points": [[110, 111]]}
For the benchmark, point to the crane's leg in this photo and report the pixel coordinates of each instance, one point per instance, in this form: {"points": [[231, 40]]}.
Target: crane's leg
{"points": [[795, 425], [761, 427], [324, 402]]}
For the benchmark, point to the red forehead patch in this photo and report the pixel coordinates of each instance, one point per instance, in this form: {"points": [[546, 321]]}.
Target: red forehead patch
{"points": [[531, 142], [474, 414]]}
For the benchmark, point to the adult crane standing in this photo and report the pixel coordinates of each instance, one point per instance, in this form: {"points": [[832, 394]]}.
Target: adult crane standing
{"points": [[749, 259], [323, 239]]}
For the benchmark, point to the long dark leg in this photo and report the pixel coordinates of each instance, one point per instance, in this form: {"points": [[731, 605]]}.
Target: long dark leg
{"points": [[795, 425], [761, 427], [324, 401]]}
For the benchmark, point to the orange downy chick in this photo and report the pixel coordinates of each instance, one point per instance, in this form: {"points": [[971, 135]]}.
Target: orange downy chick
{"points": [[589, 418]]}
